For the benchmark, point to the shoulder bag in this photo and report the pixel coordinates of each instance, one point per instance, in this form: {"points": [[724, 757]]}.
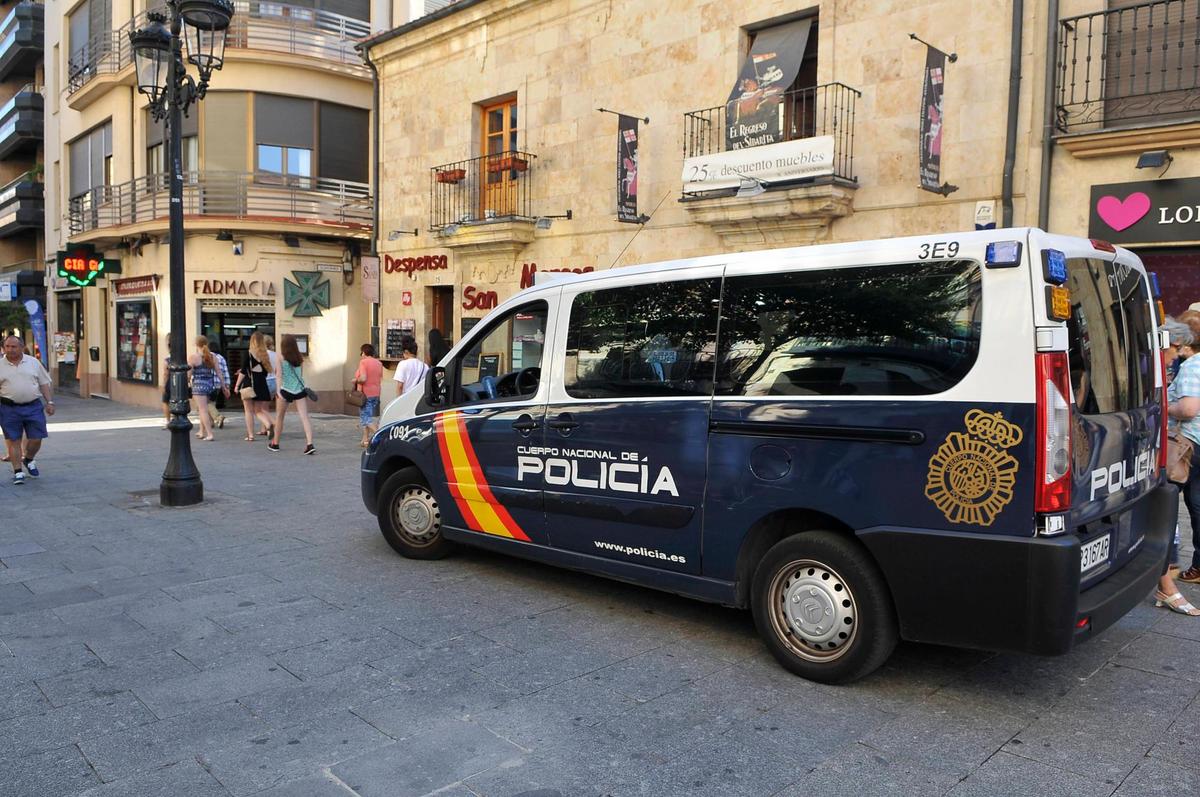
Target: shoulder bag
{"points": [[1179, 458], [247, 389], [356, 397]]}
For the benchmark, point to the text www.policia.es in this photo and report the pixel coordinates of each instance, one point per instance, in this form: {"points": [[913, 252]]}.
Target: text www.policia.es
{"points": [[648, 553]]}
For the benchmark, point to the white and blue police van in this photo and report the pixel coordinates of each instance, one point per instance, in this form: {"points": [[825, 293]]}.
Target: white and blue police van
{"points": [[955, 439]]}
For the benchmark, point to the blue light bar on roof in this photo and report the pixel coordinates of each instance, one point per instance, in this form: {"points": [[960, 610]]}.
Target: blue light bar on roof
{"points": [[1003, 254], [1054, 266]]}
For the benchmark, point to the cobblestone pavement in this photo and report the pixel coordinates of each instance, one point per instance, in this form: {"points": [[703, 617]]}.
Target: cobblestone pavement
{"points": [[269, 642]]}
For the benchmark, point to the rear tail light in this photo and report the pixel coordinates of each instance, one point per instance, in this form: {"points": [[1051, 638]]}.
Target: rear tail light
{"points": [[1053, 492], [1162, 395]]}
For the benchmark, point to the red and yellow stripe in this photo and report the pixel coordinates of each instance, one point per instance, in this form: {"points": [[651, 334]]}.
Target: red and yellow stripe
{"points": [[479, 508]]}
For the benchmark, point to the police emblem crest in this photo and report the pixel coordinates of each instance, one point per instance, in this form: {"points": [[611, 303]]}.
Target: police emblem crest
{"points": [[971, 476]]}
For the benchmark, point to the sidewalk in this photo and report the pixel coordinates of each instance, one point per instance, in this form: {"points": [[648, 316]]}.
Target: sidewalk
{"points": [[269, 642]]}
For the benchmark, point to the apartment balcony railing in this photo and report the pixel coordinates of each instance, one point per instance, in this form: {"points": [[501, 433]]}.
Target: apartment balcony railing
{"points": [[1134, 65], [21, 35], [21, 124], [270, 27], [226, 196], [493, 187], [22, 206], [826, 110]]}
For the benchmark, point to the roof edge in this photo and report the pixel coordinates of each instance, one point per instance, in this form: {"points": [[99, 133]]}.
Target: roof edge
{"points": [[379, 38]]}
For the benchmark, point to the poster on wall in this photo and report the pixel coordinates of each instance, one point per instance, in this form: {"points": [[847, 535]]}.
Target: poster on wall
{"points": [[135, 341], [64, 348], [754, 111], [931, 120], [627, 169]]}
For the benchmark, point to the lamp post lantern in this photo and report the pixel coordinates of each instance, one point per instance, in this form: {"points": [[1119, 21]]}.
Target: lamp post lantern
{"points": [[162, 76]]}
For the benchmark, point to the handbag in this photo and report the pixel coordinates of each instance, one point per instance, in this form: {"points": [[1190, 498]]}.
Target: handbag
{"points": [[1179, 458], [247, 393], [356, 398], [312, 394]]}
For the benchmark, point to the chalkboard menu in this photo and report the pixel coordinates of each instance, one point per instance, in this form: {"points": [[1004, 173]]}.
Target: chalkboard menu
{"points": [[391, 347]]}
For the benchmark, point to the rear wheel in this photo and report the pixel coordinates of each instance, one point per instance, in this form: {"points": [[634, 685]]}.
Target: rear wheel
{"points": [[823, 608], [410, 518]]}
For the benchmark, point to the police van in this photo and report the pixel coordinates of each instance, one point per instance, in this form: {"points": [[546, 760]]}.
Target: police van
{"points": [[955, 439]]}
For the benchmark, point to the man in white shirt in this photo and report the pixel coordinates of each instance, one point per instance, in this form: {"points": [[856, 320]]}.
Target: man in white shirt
{"points": [[25, 401], [410, 371]]}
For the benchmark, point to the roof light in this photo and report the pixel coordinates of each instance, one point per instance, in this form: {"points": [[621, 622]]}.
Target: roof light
{"points": [[1058, 302], [1054, 266], [1003, 254], [1103, 246], [1155, 291]]}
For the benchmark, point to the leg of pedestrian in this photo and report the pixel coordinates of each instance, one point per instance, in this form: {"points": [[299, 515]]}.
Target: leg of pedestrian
{"points": [[306, 422]]}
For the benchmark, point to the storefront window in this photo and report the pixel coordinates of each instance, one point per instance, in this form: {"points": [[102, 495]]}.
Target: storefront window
{"points": [[135, 341]]}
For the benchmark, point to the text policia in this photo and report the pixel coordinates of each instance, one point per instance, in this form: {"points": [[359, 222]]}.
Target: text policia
{"points": [[623, 472]]}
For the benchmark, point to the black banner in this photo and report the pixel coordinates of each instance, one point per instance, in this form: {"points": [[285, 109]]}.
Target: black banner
{"points": [[931, 120], [752, 113], [1146, 212], [627, 168]]}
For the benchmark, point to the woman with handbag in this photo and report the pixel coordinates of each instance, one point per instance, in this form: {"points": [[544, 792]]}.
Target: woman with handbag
{"points": [[204, 380], [292, 390], [251, 385], [1183, 432], [368, 381]]}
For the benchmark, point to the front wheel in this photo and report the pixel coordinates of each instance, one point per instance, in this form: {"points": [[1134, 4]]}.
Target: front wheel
{"points": [[410, 518], [823, 608]]}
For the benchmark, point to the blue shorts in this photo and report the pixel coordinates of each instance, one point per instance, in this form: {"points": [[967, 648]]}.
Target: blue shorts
{"points": [[28, 420], [368, 411]]}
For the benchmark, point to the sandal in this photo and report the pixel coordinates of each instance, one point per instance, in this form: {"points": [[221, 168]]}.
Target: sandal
{"points": [[248, 439], [1176, 603], [1191, 575]]}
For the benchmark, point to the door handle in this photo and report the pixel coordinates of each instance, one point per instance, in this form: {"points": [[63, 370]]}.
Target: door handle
{"points": [[564, 423], [525, 424]]}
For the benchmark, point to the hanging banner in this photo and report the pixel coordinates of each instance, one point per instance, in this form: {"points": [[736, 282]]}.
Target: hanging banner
{"points": [[931, 120], [627, 168], [37, 322], [370, 279], [754, 111], [784, 162]]}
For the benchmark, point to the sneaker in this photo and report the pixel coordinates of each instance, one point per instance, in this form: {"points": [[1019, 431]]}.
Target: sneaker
{"points": [[272, 447], [18, 478], [310, 449], [32, 467]]}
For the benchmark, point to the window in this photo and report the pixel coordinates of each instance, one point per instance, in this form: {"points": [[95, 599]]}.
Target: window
{"points": [[643, 340], [89, 29], [290, 161], [135, 341], [156, 150], [505, 362], [284, 135], [908, 329], [501, 168], [1112, 351], [91, 161]]}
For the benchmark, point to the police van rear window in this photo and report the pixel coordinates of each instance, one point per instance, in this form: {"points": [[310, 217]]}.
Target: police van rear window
{"points": [[1112, 358], [907, 329]]}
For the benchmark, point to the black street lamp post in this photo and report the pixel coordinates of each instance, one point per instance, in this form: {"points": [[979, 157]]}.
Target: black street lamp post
{"points": [[162, 76]]}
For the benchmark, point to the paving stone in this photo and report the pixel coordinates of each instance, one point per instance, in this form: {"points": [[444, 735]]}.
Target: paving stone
{"points": [[535, 721], [1161, 653], [100, 680], [438, 756], [723, 768], [302, 701], [470, 651], [14, 549], [259, 616], [87, 578], [654, 673], [1159, 778], [330, 655], [18, 698], [944, 731], [59, 771], [17, 598], [1009, 774], [536, 670], [207, 687], [421, 702], [326, 785], [76, 722], [185, 779], [858, 770]]}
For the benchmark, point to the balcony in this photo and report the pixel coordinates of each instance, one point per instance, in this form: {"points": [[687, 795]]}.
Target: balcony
{"points": [[271, 28], [1127, 69], [771, 204], [21, 207], [483, 205], [21, 122], [21, 35], [219, 200]]}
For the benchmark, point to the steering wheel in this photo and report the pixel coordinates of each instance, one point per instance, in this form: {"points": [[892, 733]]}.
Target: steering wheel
{"points": [[527, 380]]}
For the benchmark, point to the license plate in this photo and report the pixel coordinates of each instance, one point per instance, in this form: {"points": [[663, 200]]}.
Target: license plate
{"points": [[1094, 553]]}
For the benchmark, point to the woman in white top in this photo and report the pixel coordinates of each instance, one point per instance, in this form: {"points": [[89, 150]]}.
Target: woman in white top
{"points": [[411, 371]]}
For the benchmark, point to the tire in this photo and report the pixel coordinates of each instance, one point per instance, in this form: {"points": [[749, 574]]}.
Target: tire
{"points": [[832, 579], [410, 518]]}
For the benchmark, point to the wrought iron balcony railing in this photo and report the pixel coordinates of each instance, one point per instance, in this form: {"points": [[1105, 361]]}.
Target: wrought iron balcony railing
{"points": [[488, 188], [1128, 66], [232, 196], [826, 110], [274, 27]]}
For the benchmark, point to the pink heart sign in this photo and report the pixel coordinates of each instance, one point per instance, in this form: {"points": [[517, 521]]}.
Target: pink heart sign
{"points": [[1123, 214]]}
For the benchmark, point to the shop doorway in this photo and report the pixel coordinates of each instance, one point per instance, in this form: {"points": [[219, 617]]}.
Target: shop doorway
{"points": [[67, 341], [231, 332], [441, 318]]}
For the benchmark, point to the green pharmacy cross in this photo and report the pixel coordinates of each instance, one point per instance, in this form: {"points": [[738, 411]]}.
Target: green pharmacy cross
{"points": [[308, 294]]}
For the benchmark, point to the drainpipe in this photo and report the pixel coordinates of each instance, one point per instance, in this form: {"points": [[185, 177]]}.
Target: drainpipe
{"points": [[1014, 96], [375, 113], [1048, 112]]}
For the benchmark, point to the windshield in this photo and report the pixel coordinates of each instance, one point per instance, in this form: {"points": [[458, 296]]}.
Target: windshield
{"points": [[1111, 332]]}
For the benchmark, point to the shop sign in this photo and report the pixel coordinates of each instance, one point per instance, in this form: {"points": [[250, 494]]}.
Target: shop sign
{"points": [[330, 267], [411, 265], [370, 279], [81, 265], [772, 163], [8, 290], [233, 288], [475, 299], [1152, 211], [136, 285], [406, 298], [308, 294], [528, 270]]}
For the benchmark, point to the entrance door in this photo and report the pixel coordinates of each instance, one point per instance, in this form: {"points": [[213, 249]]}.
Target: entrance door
{"points": [[499, 197], [441, 320], [624, 452], [231, 332], [66, 340]]}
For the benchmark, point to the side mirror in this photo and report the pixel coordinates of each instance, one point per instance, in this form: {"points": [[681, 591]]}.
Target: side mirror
{"points": [[435, 387]]}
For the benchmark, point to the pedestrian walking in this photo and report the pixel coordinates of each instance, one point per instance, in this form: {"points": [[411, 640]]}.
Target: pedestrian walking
{"points": [[272, 380], [204, 380], [26, 398], [411, 371], [292, 391], [1183, 407], [1168, 594], [216, 399], [369, 379], [252, 385]]}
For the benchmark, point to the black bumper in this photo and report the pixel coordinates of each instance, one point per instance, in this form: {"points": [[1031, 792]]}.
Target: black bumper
{"points": [[1018, 594], [370, 484]]}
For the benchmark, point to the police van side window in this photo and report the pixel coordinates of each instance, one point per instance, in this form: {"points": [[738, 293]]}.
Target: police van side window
{"points": [[643, 340], [908, 329], [505, 361], [1111, 355]]}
